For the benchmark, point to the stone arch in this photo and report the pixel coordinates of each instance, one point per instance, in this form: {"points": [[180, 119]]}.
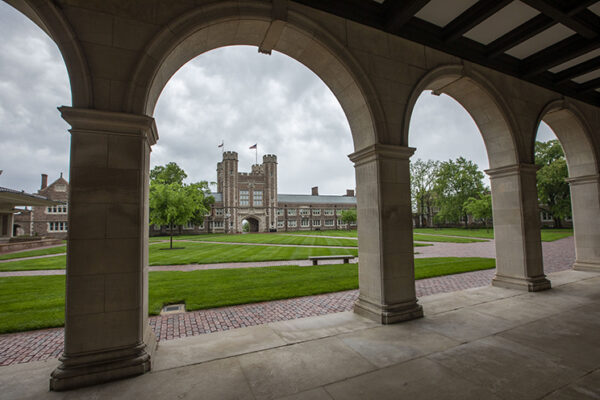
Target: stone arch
{"points": [[573, 133], [482, 101], [227, 23], [253, 222], [52, 21], [569, 125]]}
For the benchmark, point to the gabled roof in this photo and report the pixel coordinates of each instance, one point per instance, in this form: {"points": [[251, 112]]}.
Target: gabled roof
{"points": [[21, 198]]}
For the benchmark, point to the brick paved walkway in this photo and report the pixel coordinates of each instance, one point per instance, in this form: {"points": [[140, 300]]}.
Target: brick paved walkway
{"points": [[48, 343]]}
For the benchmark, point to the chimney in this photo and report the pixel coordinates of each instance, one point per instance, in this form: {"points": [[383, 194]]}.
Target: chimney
{"points": [[315, 191], [44, 181], [349, 193]]}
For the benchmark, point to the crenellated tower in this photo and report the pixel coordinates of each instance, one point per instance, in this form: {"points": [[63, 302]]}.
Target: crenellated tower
{"points": [[227, 183], [270, 170]]}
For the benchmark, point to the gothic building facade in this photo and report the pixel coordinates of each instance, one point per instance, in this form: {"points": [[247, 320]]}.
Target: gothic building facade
{"points": [[252, 197]]}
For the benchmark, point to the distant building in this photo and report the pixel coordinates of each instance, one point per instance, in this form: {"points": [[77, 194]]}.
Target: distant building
{"points": [[47, 220], [252, 197]]}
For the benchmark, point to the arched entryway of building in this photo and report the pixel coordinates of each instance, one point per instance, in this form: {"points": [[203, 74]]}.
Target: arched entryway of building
{"points": [[518, 247], [568, 124], [253, 225]]}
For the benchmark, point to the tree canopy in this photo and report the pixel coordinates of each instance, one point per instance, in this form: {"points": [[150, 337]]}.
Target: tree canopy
{"points": [[349, 217], [480, 209], [422, 181], [174, 203], [456, 181], [553, 190]]}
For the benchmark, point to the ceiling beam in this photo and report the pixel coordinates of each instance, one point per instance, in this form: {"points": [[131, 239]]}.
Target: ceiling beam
{"points": [[472, 17], [399, 13], [558, 53], [589, 85], [520, 34], [577, 70], [553, 11]]}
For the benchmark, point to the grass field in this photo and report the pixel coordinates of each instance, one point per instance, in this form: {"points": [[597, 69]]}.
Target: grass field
{"points": [[28, 303], [274, 238], [548, 235], [34, 253]]}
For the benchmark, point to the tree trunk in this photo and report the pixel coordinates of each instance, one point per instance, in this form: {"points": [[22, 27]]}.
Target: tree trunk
{"points": [[171, 229]]}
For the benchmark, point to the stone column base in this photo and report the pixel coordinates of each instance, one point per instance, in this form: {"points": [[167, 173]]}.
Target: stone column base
{"points": [[586, 266], [388, 314], [531, 284], [96, 368]]}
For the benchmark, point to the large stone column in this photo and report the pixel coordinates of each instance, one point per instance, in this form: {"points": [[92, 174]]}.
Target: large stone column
{"points": [[519, 263], [385, 243], [107, 336], [585, 195]]}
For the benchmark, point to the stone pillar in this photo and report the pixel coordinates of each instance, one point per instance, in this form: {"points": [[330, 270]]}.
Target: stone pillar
{"points": [[107, 336], [385, 241], [585, 195], [519, 262]]}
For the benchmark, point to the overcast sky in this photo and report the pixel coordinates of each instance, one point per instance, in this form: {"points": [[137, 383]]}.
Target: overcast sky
{"points": [[232, 94]]}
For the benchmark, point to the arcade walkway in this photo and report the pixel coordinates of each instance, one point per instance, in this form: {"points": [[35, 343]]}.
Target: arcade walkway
{"points": [[484, 343]]}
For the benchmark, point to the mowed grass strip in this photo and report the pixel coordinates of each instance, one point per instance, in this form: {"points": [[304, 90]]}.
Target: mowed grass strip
{"points": [[445, 239], [268, 238], [37, 302], [547, 235], [34, 253]]}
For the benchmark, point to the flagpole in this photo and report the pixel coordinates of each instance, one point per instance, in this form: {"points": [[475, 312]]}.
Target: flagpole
{"points": [[256, 154]]}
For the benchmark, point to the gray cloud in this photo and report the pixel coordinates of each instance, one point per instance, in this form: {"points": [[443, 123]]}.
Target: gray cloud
{"points": [[232, 94]]}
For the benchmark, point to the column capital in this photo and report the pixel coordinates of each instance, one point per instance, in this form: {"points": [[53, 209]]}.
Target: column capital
{"points": [[511, 170], [381, 151], [86, 120], [583, 180]]}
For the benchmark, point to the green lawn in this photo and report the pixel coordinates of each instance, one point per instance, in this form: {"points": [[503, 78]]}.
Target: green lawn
{"points": [[37, 302], [34, 253], [332, 232], [267, 238], [58, 262], [548, 235], [448, 239]]}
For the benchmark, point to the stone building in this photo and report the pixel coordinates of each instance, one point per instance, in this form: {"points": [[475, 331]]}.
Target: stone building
{"points": [[252, 197], [47, 220]]}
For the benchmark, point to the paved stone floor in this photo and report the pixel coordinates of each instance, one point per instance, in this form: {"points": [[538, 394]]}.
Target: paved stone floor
{"points": [[48, 343], [482, 343]]}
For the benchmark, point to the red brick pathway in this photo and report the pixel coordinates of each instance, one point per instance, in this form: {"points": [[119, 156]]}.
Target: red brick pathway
{"points": [[48, 343]]}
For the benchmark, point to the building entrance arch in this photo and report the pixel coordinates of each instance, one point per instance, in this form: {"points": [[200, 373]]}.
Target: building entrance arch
{"points": [[253, 224]]}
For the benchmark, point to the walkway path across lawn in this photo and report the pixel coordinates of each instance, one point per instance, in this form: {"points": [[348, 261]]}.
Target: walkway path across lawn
{"points": [[48, 343]]}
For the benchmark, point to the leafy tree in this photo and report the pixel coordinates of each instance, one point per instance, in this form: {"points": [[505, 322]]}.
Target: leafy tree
{"points": [[480, 208], [349, 217], [553, 190], [170, 173], [422, 181], [456, 181], [173, 203]]}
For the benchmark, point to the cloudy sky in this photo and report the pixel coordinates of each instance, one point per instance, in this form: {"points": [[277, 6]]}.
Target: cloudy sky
{"points": [[231, 94]]}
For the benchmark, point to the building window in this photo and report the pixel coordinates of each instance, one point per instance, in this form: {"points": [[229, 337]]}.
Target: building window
{"points": [[244, 198], [339, 211], [280, 224], [189, 225], [57, 209], [215, 224], [60, 188], [280, 212], [218, 211], [304, 211], [201, 226], [328, 222], [291, 211], [292, 224], [57, 226], [305, 222], [316, 211], [258, 198], [328, 211], [156, 227], [546, 216], [340, 222], [316, 222]]}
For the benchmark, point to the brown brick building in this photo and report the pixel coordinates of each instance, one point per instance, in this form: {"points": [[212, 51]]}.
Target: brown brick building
{"points": [[51, 220], [252, 197]]}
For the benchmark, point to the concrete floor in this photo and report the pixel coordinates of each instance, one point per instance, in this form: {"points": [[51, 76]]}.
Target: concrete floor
{"points": [[484, 343]]}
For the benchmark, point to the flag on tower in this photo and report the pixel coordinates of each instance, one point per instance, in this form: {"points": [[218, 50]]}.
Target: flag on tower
{"points": [[253, 146], [222, 143]]}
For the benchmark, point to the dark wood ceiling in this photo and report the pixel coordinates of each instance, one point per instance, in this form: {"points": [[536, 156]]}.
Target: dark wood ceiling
{"points": [[397, 17]]}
